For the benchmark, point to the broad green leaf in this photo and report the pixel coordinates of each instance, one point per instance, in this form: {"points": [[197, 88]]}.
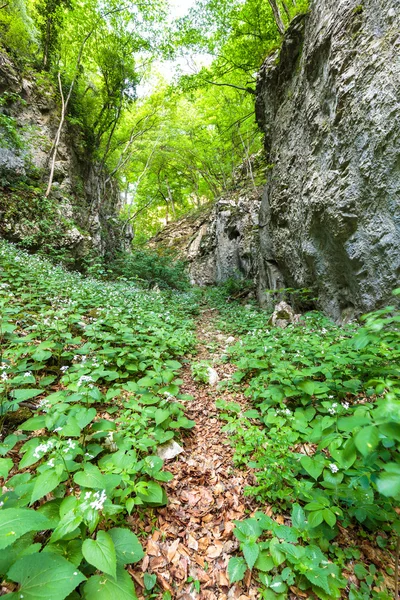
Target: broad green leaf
{"points": [[45, 577], [315, 518], [264, 562], [388, 484], [367, 439], [149, 581], [45, 483], [275, 549], [6, 464], [161, 415], [251, 551], [128, 549], [14, 522], [22, 547], [34, 423], [25, 394], [298, 517], [101, 553], [313, 465], [104, 587], [154, 496], [329, 517], [71, 550], [237, 568], [91, 477], [69, 522]]}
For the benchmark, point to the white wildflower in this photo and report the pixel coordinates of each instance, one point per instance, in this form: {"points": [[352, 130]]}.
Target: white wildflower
{"points": [[4, 376], [28, 374], [43, 448], [333, 468], [84, 379], [57, 429], [51, 462], [100, 499], [345, 405], [64, 368]]}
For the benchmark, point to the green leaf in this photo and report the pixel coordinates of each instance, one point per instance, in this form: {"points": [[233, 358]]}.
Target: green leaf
{"points": [[128, 549], [45, 483], [6, 464], [329, 517], [315, 518], [14, 522], [314, 466], [69, 522], [25, 394], [360, 571], [367, 440], [251, 551], [388, 484], [161, 415], [103, 587], [237, 568], [319, 578], [264, 562], [91, 477], [45, 577], [275, 549], [298, 517], [22, 547], [101, 553], [35, 423], [154, 496], [149, 581]]}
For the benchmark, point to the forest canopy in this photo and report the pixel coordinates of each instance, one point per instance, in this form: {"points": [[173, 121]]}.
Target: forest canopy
{"points": [[165, 103]]}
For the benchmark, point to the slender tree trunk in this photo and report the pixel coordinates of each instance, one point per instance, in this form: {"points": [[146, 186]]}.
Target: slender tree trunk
{"points": [[171, 199], [285, 8], [277, 16], [64, 107]]}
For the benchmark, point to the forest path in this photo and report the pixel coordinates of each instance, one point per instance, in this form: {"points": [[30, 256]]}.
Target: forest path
{"points": [[190, 540]]}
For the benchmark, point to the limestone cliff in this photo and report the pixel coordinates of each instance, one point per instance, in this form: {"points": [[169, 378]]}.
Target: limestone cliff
{"points": [[81, 216], [329, 105], [220, 240]]}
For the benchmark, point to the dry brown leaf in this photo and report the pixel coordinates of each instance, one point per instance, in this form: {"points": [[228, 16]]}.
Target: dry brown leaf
{"points": [[192, 542], [215, 551], [152, 548], [171, 550]]}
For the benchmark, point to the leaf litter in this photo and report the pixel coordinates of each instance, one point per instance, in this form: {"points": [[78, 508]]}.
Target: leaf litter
{"points": [[191, 539]]}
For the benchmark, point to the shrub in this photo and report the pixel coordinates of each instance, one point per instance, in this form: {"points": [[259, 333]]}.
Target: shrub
{"points": [[151, 269]]}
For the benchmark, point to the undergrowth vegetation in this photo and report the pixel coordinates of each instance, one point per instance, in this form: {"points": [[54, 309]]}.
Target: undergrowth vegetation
{"points": [[323, 440], [88, 392]]}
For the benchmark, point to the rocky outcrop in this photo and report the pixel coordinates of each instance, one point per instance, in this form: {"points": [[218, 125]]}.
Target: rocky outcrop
{"points": [[329, 105], [81, 216], [220, 241]]}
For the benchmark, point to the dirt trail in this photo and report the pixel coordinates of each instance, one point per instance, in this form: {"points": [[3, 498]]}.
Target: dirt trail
{"points": [[192, 537]]}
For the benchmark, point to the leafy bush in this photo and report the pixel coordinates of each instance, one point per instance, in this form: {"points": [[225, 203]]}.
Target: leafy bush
{"points": [[150, 269], [96, 363], [324, 433]]}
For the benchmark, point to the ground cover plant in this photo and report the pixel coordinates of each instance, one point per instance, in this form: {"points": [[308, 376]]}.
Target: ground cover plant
{"points": [[88, 391], [323, 439]]}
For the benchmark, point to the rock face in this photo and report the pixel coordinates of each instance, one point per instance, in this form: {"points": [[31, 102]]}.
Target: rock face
{"points": [[81, 216], [330, 109], [220, 241]]}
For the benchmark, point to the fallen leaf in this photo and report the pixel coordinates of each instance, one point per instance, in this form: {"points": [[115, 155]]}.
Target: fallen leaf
{"points": [[152, 548], [171, 551], [192, 542]]}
